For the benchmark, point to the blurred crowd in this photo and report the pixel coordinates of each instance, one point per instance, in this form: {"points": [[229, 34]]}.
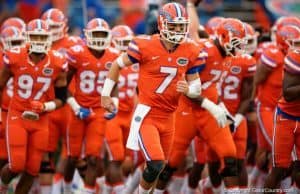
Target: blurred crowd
{"points": [[129, 12]]}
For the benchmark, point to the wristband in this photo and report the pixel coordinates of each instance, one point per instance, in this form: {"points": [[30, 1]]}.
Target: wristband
{"points": [[108, 87], [49, 106], [74, 104]]}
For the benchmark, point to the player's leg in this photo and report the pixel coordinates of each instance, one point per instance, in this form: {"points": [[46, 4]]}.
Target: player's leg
{"points": [[36, 146], [252, 140], [154, 156], [94, 136], [155, 140], [75, 134], [222, 155], [16, 140], [3, 148], [133, 182], [264, 138], [185, 131], [240, 140], [199, 152], [116, 151], [48, 165], [283, 142]]}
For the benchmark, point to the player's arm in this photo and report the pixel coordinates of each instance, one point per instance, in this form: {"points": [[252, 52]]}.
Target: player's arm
{"points": [[262, 73], [60, 89], [194, 19], [5, 74], [71, 72], [291, 78], [291, 86], [216, 111], [247, 88], [112, 78], [190, 85]]}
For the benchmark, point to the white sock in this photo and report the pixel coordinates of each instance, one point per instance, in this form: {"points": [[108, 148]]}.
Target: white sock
{"points": [[217, 190], [175, 184], [67, 187], [143, 191], [286, 183], [118, 189], [35, 188], [99, 184], [57, 183], [205, 183], [77, 180], [295, 189], [185, 184], [253, 176], [261, 180], [86, 190], [107, 189], [233, 190], [132, 184], [3, 187], [45, 189], [244, 190], [158, 191]]}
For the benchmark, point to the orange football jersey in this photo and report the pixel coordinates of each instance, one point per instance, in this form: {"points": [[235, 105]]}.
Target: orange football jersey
{"points": [[269, 91], [65, 43], [210, 74], [261, 47], [235, 69], [90, 73], [33, 81], [212, 71], [62, 46], [291, 65], [127, 87], [160, 70]]}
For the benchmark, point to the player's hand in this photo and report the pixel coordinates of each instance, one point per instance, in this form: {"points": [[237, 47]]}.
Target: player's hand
{"points": [[108, 104], [37, 106], [217, 112], [230, 118], [182, 86], [110, 115], [238, 118], [83, 113]]}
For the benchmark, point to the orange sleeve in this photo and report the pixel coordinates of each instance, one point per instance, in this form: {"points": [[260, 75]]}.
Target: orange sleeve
{"points": [[250, 66], [134, 52], [292, 62], [270, 57], [198, 62], [71, 55]]}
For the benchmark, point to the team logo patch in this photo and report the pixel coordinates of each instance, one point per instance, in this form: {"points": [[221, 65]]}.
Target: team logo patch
{"points": [[108, 65], [135, 67], [47, 71], [235, 69], [182, 61], [138, 118]]}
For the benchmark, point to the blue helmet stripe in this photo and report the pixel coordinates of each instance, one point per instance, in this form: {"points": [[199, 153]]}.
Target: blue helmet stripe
{"points": [[39, 24], [178, 10]]}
